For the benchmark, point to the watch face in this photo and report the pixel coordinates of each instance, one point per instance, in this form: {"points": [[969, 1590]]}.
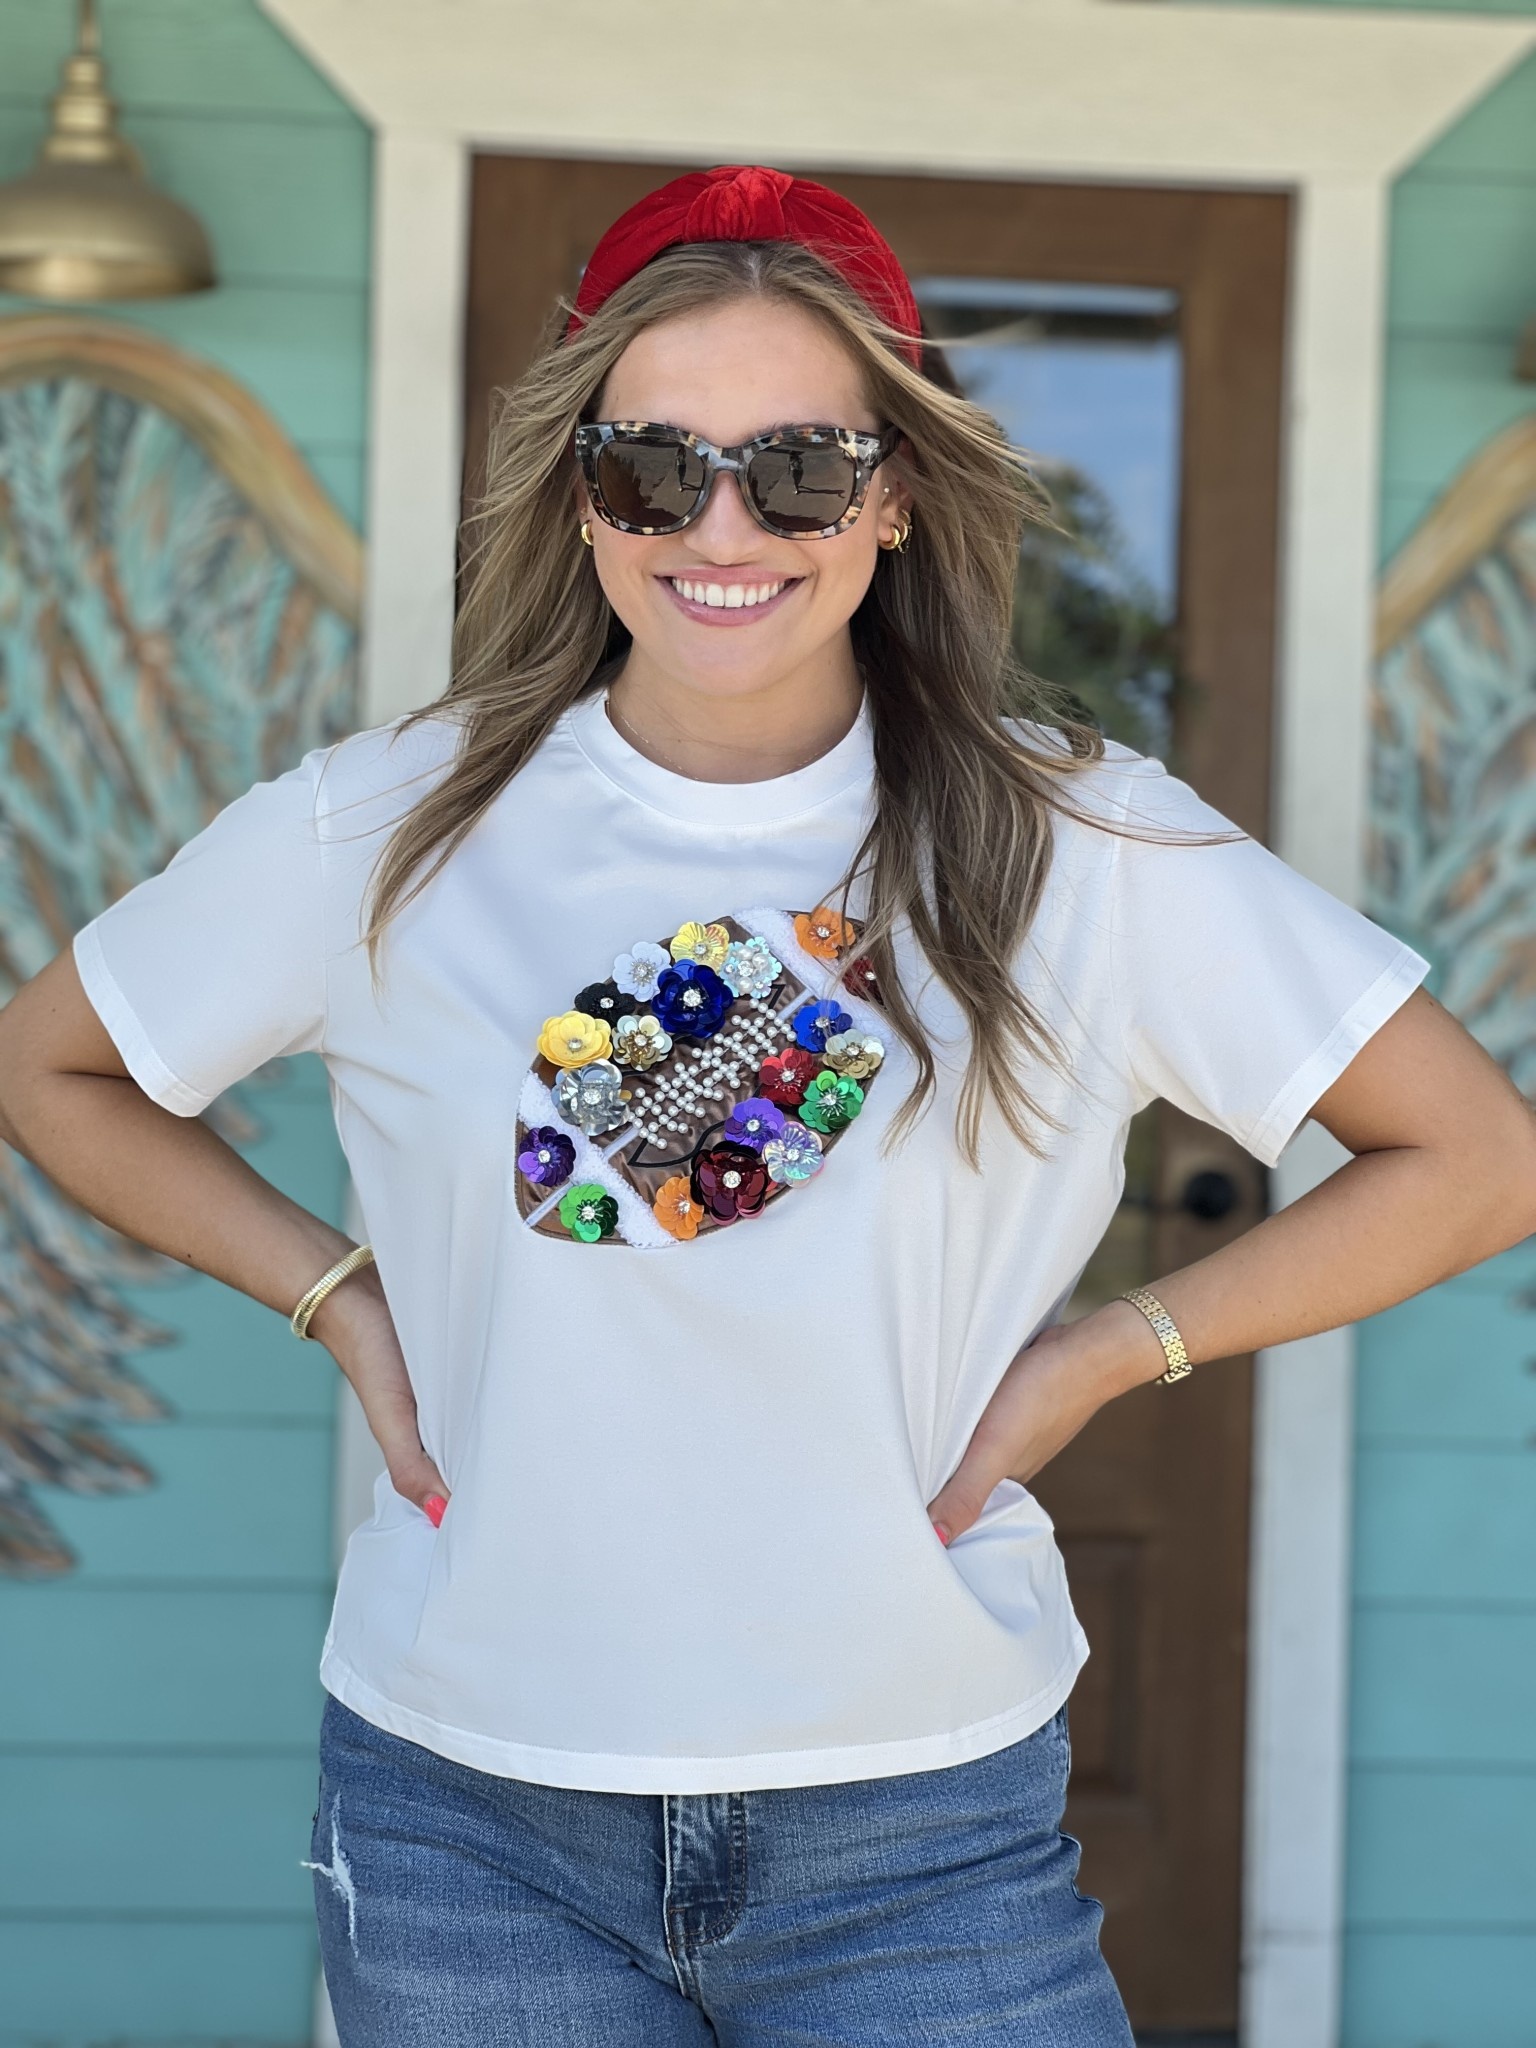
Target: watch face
{"points": [[698, 1079]]}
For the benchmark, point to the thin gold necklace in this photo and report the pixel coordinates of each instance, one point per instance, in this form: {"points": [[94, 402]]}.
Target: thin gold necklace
{"points": [[639, 739]]}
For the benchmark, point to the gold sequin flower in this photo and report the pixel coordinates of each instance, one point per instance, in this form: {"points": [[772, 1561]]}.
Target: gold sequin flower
{"points": [[853, 1053], [639, 1043], [704, 944], [574, 1038]]}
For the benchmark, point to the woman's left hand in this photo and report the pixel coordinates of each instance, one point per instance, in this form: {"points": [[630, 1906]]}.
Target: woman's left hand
{"points": [[1053, 1387]]}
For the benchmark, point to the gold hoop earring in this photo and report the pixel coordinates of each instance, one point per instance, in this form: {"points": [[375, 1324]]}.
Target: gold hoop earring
{"points": [[586, 532], [899, 538]]}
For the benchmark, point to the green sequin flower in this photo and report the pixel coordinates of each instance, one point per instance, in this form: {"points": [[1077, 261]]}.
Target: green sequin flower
{"points": [[831, 1101], [589, 1212]]}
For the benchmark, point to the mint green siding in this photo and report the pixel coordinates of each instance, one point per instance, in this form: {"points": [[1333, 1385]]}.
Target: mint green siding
{"points": [[1440, 1947], [1461, 281], [159, 1707]]}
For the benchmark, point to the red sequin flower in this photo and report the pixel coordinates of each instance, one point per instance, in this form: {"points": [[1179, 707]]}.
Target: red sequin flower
{"points": [[785, 1076]]}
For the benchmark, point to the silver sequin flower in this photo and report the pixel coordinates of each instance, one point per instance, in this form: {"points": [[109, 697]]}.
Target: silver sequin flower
{"points": [[590, 1097], [749, 968]]}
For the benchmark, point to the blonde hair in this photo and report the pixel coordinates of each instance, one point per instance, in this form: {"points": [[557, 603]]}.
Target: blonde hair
{"points": [[961, 840]]}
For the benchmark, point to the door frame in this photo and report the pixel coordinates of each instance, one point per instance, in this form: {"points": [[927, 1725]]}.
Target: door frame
{"points": [[1375, 91]]}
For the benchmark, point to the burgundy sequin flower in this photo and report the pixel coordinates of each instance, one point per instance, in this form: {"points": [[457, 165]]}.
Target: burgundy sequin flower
{"points": [[859, 980], [784, 1077], [731, 1181]]}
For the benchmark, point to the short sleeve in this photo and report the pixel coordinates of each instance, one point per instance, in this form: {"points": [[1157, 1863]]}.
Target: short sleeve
{"points": [[218, 963], [1243, 989]]}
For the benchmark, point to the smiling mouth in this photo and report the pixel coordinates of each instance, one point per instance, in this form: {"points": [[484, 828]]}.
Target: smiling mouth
{"points": [[728, 597]]}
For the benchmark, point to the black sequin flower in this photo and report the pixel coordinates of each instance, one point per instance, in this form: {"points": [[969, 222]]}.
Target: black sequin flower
{"points": [[605, 999]]}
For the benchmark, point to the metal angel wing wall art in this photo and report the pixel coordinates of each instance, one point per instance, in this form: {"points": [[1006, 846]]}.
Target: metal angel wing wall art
{"points": [[178, 619], [1452, 855]]}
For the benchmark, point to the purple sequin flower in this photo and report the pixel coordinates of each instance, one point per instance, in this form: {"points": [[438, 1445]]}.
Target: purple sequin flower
{"points": [[753, 1123], [547, 1157]]}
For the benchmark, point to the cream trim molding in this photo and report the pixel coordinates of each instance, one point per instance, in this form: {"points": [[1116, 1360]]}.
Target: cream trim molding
{"points": [[1494, 488], [1327, 103]]}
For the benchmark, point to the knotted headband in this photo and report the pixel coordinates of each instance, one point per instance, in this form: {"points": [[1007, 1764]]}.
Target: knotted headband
{"points": [[750, 203]]}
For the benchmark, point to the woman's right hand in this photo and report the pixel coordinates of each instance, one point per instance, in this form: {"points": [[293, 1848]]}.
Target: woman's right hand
{"points": [[355, 1326]]}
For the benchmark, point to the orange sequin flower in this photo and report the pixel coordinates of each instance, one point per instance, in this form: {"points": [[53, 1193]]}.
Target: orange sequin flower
{"points": [[675, 1209], [822, 932]]}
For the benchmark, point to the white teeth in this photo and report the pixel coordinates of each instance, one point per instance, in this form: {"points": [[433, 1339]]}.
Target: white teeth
{"points": [[725, 596]]}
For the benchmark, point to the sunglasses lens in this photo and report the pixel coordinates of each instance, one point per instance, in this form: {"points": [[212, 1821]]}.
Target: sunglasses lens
{"points": [[802, 490], [648, 481]]}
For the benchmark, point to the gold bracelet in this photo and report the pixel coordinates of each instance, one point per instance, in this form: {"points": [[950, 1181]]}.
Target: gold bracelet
{"points": [[1167, 1332], [298, 1322]]}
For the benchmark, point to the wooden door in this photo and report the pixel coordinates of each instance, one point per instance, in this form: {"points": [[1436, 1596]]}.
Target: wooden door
{"points": [[1151, 1503]]}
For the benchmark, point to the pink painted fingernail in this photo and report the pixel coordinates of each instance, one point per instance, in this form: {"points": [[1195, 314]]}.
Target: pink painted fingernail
{"points": [[942, 1533], [434, 1507]]}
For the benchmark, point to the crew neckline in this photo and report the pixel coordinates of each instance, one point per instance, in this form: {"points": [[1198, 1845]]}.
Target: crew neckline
{"points": [[850, 760]]}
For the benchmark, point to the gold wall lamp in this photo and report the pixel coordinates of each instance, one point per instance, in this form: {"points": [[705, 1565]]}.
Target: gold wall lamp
{"points": [[85, 222]]}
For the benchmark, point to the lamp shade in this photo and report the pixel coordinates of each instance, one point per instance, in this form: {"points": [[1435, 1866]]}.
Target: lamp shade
{"points": [[84, 222]]}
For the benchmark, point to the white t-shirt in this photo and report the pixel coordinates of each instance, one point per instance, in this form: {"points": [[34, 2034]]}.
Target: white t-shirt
{"points": [[688, 1548]]}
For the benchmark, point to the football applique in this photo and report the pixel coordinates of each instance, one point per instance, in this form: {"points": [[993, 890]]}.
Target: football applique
{"points": [[705, 1076]]}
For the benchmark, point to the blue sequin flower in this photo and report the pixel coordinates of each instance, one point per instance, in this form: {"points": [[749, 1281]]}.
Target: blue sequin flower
{"points": [[815, 1023], [691, 1000], [753, 1123], [749, 968], [546, 1156], [794, 1155]]}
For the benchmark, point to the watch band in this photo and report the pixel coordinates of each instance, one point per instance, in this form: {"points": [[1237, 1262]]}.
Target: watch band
{"points": [[1166, 1331]]}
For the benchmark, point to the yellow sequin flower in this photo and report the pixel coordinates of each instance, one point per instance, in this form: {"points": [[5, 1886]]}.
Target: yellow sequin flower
{"points": [[574, 1038], [704, 943]]}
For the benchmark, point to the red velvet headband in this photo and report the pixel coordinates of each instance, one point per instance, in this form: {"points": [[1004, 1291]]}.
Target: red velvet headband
{"points": [[749, 203]]}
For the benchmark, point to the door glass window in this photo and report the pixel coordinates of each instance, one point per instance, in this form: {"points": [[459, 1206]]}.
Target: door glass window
{"points": [[1087, 380]]}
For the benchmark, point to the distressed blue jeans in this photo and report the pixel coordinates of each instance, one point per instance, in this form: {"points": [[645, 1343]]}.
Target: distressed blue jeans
{"points": [[463, 1910]]}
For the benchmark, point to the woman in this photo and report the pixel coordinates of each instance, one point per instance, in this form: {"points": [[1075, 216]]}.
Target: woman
{"points": [[734, 993]]}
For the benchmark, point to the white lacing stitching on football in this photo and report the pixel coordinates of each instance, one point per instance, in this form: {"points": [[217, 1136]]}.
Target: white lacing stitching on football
{"points": [[637, 1222]]}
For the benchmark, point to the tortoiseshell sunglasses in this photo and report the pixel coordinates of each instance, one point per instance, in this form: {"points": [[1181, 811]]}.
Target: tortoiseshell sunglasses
{"points": [[800, 483]]}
